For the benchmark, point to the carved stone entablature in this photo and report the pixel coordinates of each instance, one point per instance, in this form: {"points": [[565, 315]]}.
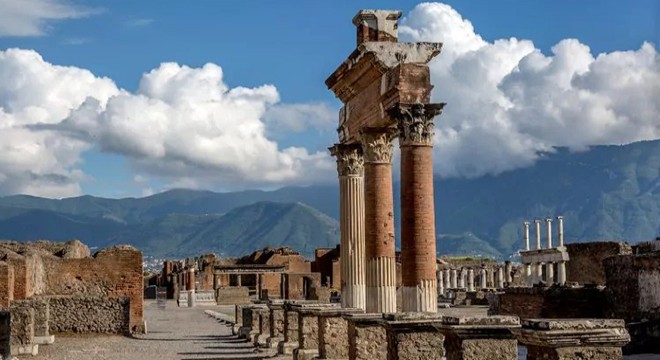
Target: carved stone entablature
{"points": [[350, 161], [415, 122], [377, 144]]}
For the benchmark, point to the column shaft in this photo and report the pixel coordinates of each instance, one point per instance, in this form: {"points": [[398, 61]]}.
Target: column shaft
{"points": [[350, 167], [470, 280], [379, 222], [561, 273], [418, 243]]}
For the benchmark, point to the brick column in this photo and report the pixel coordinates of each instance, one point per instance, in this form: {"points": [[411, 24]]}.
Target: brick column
{"points": [[418, 243], [350, 167], [379, 220]]}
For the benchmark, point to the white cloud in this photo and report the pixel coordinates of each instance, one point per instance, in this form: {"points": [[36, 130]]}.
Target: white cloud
{"points": [[31, 17], [506, 101], [287, 118], [33, 92], [183, 125]]}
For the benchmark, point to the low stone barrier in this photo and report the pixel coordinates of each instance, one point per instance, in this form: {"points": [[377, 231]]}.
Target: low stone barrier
{"points": [[367, 339], [413, 336], [478, 338], [264, 327], [276, 323], [308, 329], [232, 295], [205, 297], [573, 339], [250, 328], [333, 332], [22, 328], [290, 341]]}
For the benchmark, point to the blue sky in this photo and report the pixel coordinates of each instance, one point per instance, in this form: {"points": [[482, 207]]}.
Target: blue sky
{"points": [[292, 45]]}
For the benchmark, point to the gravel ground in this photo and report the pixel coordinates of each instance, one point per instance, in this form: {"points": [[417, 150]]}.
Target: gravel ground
{"points": [[174, 334]]}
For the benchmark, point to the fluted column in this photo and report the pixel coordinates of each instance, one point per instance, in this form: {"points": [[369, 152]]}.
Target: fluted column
{"points": [[441, 282], [418, 242], [482, 279], [447, 279], [461, 279], [454, 279], [350, 168], [379, 221]]}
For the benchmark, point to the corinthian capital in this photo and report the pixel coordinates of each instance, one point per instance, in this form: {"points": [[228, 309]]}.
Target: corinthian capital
{"points": [[350, 161], [377, 144], [415, 122]]}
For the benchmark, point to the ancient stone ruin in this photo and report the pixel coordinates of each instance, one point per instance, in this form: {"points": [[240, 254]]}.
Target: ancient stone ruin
{"points": [[51, 288]]}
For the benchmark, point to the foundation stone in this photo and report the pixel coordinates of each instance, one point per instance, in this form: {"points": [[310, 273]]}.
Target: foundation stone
{"points": [[367, 339], [414, 336]]}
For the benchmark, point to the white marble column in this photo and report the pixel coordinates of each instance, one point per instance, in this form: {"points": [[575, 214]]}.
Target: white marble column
{"points": [[527, 271], [461, 279], [500, 278], [482, 279], [441, 283], [454, 278], [560, 231], [537, 226], [350, 168], [550, 272], [447, 279], [526, 234], [470, 280], [561, 273], [548, 222]]}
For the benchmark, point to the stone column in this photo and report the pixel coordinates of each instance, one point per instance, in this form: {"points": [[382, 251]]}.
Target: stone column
{"points": [[529, 280], [441, 283], [350, 167], [500, 278], [379, 220], [461, 279], [548, 222], [561, 272], [491, 278], [447, 279], [526, 234], [560, 230], [482, 279], [239, 280], [573, 339], [549, 272], [454, 278], [539, 272], [537, 225], [418, 242], [470, 280], [507, 273]]}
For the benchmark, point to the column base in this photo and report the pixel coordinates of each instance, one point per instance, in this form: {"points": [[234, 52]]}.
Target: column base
{"points": [[381, 299], [305, 354], [354, 296], [286, 347], [273, 342], [420, 298], [44, 340]]}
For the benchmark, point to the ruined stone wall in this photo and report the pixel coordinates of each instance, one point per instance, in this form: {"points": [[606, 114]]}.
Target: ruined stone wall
{"points": [[89, 314], [272, 282], [324, 263], [586, 260], [113, 272], [556, 302], [297, 285], [232, 295], [18, 262], [633, 286], [6, 284]]}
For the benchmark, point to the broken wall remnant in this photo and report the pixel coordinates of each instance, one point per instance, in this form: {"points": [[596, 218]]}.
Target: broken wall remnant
{"points": [[586, 265]]}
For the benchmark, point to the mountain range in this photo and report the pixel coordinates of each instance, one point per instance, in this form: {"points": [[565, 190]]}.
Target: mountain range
{"points": [[604, 193]]}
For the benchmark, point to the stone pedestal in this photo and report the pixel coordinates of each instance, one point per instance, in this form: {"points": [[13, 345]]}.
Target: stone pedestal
{"points": [[276, 323], [250, 328], [366, 337], [573, 339], [264, 327], [478, 338], [308, 330], [413, 336], [333, 332], [290, 341]]}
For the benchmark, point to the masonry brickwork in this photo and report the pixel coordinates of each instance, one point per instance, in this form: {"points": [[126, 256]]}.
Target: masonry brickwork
{"points": [[586, 264]]}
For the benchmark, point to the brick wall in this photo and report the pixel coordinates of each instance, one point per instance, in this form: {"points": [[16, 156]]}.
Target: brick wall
{"points": [[586, 260], [113, 272]]}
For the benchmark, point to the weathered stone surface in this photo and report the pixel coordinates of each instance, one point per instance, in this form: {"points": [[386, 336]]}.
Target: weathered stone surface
{"points": [[481, 349], [232, 295], [476, 338], [482, 321], [80, 314], [5, 334], [574, 353], [276, 323], [572, 324], [414, 336], [367, 339]]}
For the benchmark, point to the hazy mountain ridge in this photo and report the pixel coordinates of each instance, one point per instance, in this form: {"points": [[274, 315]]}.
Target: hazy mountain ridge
{"points": [[605, 193]]}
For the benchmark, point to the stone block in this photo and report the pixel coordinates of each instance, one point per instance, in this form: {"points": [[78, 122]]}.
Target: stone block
{"points": [[366, 337], [264, 327], [573, 339], [333, 332], [290, 341], [232, 295], [276, 318], [308, 329], [476, 338], [414, 336]]}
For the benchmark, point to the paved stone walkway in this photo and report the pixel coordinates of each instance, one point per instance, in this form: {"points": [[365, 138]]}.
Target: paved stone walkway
{"points": [[173, 334]]}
